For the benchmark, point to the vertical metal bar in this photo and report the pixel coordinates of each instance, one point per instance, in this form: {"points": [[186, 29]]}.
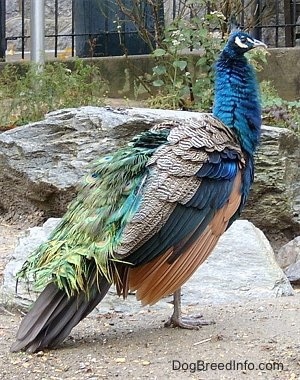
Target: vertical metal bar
{"points": [[277, 23], [294, 21], [297, 24], [243, 14], [55, 27], [37, 31], [23, 29], [294, 11], [287, 20], [257, 32], [73, 29], [2, 29], [106, 27], [174, 10]]}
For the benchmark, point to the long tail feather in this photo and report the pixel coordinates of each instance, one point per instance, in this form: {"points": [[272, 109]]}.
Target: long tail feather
{"points": [[54, 314]]}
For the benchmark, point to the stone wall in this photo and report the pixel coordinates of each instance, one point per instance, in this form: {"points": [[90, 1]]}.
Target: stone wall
{"points": [[282, 69], [14, 23]]}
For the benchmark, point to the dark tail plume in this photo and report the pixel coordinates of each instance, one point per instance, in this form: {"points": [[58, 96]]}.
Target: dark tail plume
{"points": [[54, 314]]}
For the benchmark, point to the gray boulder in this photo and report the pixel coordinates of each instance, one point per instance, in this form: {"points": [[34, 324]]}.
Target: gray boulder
{"points": [[293, 273], [21, 295], [241, 268], [42, 162], [274, 202], [288, 258]]}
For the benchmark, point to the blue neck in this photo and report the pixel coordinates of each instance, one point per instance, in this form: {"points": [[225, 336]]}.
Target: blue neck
{"points": [[237, 100]]}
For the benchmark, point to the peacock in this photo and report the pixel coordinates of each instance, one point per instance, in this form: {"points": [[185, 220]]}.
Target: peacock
{"points": [[149, 214]]}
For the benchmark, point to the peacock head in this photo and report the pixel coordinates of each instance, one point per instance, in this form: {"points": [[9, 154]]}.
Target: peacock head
{"points": [[239, 43]]}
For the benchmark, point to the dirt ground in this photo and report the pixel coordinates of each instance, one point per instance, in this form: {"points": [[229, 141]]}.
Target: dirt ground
{"points": [[258, 340]]}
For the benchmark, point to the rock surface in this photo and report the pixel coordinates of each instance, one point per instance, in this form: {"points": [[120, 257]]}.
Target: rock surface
{"points": [[42, 162], [21, 295], [241, 268], [274, 202], [288, 258], [293, 273]]}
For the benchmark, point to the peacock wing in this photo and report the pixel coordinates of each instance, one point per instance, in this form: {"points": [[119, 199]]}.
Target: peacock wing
{"points": [[192, 191]]}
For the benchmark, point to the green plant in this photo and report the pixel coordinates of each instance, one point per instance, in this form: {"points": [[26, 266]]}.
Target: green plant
{"points": [[183, 78], [278, 111], [258, 58], [28, 93]]}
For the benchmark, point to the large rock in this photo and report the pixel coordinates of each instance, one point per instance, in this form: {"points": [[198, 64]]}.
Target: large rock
{"points": [[274, 203], [288, 258], [241, 268], [21, 295], [42, 162]]}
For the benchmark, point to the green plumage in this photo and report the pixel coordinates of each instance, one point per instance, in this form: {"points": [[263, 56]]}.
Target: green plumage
{"points": [[92, 227]]}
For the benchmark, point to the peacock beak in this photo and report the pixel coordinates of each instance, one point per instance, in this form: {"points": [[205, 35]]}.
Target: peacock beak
{"points": [[257, 43]]}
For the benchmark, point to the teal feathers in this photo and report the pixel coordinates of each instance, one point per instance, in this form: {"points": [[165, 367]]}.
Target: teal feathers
{"points": [[93, 225], [237, 99]]}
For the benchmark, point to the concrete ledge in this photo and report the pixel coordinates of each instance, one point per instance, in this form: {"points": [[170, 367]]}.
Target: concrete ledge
{"points": [[122, 73]]}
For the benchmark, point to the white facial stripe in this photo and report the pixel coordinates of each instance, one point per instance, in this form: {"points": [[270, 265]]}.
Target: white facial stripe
{"points": [[249, 40], [240, 44]]}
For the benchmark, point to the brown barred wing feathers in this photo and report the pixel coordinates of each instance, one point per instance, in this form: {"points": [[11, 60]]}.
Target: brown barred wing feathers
{"points": [[183, 211]]}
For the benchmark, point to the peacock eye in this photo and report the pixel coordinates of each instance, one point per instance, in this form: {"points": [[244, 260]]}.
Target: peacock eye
{"points": [[243, 39]]}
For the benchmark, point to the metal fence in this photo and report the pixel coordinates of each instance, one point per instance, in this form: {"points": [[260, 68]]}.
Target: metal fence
{"points": [[278, 25]]}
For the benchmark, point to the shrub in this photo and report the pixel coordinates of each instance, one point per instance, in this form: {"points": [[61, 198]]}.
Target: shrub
{"points": [[29, 92]]}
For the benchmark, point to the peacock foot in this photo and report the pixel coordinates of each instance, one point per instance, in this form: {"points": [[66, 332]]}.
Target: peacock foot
{"points": [[193, 322]]}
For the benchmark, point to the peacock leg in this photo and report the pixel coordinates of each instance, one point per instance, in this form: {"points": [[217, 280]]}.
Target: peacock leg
{"points": [[188, 322]]}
